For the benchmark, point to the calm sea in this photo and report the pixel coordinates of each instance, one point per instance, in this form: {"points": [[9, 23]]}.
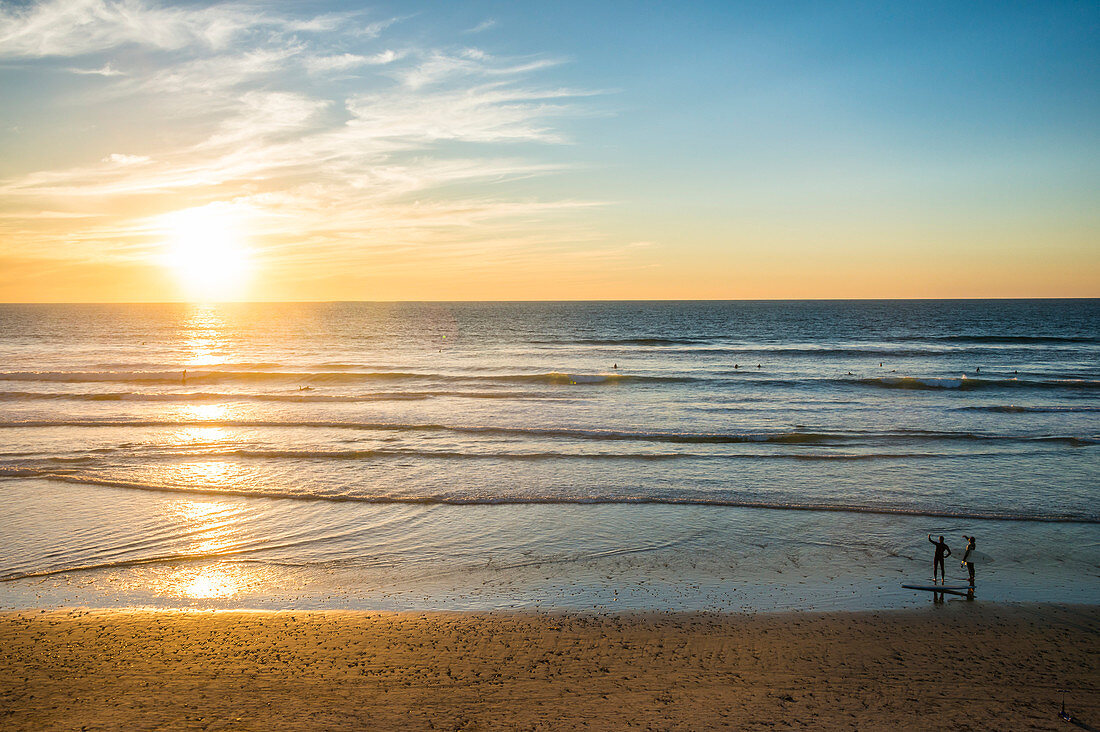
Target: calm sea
{"points": [[657, 455]]}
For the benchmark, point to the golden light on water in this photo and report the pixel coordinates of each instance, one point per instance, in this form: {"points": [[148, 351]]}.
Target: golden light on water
{"points": [[210, 524], [209, 583], [210, 473], [205, 413], [206, 251], [214, 530], [205, 340]]}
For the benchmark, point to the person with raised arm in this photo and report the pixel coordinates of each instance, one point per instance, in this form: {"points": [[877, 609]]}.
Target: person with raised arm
{"points": [[942, 552]]}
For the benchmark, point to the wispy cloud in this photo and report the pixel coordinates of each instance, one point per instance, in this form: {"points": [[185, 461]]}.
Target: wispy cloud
{"points": [[78, 27], [121, 159], [105, 70], [348, 61], [482, 26], [437, 67], [321, 126]]}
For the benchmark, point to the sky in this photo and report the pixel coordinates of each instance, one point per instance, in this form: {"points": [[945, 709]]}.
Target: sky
{"points": [[156, 151]]}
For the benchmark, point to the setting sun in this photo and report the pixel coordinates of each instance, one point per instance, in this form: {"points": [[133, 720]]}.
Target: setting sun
{"points": [[206, 252]]}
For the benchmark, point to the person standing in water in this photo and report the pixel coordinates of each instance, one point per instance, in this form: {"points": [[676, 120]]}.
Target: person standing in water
{"points": [[942, 552], [969, 565]]}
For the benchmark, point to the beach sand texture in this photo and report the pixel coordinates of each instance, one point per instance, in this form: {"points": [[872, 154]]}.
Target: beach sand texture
{"points": [[957, 666]]}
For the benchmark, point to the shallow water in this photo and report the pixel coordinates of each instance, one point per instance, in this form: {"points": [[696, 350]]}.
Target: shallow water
{"points": [[548, 455]]}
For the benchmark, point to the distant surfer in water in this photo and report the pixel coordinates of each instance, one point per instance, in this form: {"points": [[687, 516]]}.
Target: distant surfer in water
{"points": [[969, 565], [942, 552]]}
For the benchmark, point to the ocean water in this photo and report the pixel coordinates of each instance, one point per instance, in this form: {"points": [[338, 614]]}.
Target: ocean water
{"points": [[608, 456]]}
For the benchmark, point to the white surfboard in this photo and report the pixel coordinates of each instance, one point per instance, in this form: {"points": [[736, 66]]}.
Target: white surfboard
{"points": [[976, 557]]}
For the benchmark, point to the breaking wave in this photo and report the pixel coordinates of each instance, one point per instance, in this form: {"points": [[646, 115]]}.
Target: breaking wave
{"points": [[322, 377], [965, 382], [788, 438], [294, 397]]}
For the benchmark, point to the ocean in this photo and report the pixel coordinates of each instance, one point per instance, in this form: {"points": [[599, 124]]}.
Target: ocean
{"points": [[588, 456]]}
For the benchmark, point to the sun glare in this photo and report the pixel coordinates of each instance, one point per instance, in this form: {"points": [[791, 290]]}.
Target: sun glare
{"points": [[207, 253]]}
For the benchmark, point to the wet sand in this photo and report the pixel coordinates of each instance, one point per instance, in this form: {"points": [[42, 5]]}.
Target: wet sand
{"points": [[958, 666]]}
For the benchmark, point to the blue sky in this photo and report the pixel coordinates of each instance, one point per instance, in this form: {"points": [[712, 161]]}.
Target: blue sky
{"points": [[556, 149]]}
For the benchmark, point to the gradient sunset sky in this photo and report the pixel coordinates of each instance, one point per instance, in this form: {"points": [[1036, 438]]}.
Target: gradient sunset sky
{"points": [[548, 150]]}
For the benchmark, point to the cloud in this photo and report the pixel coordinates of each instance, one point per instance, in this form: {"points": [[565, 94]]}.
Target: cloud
{"points": [[212, 75], [105, 70], [441, 66], [258, 110], [485, 113], [347, 61], [78, 27], [121, 159], [482, 26]]}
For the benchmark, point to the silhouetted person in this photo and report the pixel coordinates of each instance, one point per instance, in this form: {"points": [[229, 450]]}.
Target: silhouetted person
{"points": [[942, 552], [969, 565]]}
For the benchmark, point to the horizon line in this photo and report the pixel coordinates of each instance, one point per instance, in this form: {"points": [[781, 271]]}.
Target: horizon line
{"points": [[547, 300]]}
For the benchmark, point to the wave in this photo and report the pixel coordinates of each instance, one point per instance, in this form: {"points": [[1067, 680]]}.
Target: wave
{"points": [[764, 351], [307, 397], [965, 382], [158, 559], [1006, 339], [1014, 409], [744, 377], [321, 377], [119, 564], [883, 352], [730, 341], [787, 438], [654, 341], [477, 500], [25, 461]]}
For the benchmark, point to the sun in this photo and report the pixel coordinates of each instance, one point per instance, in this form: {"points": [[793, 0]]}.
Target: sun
{"points": [[206, 251]]}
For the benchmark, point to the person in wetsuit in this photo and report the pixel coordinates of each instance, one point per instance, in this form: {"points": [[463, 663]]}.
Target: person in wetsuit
{"points": [[942, 552], [969, 565]]}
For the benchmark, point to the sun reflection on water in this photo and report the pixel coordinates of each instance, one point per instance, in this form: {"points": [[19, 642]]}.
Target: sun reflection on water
{"points": [[205, 333], [210, 525], [210, 582], [205, 412], [212, 529]]}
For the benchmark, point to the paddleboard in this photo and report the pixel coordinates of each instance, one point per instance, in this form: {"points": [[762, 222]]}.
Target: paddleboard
{"points": [[976, 557], [939, 588]]}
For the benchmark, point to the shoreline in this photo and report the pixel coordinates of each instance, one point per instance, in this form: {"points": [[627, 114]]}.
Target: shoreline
{"points": [[952, 666]]}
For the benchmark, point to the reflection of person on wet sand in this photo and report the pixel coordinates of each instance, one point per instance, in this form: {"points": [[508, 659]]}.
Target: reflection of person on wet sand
{"points": [[942, 552], [969, 565]]}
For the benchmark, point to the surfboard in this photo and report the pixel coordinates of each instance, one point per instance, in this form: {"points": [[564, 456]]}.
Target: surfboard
{"points": [[976, 557], [939, 588]]}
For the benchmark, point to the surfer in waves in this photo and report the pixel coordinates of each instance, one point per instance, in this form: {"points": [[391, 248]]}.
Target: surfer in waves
{"points": [[942, 552], [969, 565]]}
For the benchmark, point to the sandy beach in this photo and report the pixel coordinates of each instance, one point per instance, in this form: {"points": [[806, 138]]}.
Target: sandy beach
{"points": [[957, 666]]}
